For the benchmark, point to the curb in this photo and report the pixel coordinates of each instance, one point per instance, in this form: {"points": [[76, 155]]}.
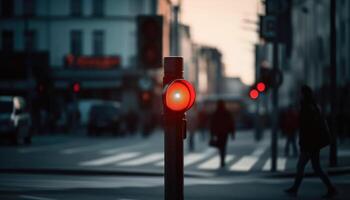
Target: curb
{"points": [[94, 172], [334, 171]]}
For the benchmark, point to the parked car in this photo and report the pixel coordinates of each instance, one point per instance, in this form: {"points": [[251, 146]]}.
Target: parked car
{"points": [[15, 122], [104, 117]]}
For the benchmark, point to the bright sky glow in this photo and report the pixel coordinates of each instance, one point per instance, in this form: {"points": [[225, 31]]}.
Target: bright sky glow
{"points": [[227, 25]]}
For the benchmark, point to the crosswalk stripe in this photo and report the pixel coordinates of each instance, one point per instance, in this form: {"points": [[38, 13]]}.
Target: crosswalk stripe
{"points": [[143, 160], [267, 165], [214, 163], [110, 159], [244, 164], [118, 149], [281, 164], [192, 158], [260, 150]]}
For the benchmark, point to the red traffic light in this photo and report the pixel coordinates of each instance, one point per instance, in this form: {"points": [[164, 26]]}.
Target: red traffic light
{"points": [[261, 87], [254, 94], [76, 87], [179, 95]]}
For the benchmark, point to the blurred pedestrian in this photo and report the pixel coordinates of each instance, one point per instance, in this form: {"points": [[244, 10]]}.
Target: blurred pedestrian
{"points": [[221, 124], [191, 127], [313, 136], [202, 122], [289, 127], [132, 122]]}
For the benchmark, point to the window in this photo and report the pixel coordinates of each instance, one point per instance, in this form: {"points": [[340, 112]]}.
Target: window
{"points": [[7, 40], [98, 8], [29, 7], [98, 42], [76, 42], [76, 7], [7, 8], [30, 40]]}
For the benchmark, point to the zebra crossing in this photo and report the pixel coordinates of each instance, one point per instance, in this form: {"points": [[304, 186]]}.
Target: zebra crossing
{"points": [[205, 160]]}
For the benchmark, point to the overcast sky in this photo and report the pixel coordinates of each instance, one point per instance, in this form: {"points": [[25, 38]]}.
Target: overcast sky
{"points": [[223, 24]]}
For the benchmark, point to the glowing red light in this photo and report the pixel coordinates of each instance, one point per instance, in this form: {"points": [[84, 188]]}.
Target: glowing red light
{"points": [[254, 94], [180, 95], [146, 96], [261, 86], [76, 87]]}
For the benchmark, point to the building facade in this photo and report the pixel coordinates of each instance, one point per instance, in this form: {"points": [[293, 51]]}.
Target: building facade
{"points": [[90, 42]]}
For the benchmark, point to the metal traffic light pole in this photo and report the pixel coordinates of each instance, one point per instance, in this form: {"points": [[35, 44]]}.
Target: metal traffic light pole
{"points": [[174, 134]]}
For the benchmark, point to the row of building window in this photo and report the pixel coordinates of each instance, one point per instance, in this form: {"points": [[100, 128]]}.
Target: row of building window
{"points": [[29, 8], [76, 41]]}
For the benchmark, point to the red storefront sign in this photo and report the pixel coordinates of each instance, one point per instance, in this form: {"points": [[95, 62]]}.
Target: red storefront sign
{"points": [[93, 62]]}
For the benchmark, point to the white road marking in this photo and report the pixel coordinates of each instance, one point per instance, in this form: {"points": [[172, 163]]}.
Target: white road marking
{"points": [[34, 197], [110, 159], [143, 160], [191, 158], [244, 164], [281, 164], [267, 165], [116, 150], [260, 150], [214, 163]]}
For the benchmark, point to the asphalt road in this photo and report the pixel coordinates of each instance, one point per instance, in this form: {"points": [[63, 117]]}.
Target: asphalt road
{"points": [[80, 167], [51, 187]]}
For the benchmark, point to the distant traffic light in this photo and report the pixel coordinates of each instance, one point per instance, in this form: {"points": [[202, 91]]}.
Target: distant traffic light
{"points": [[145, 99], [150, 41], [179, 95], [261, 87], [266, 77], [76, 87], [253, 94]]}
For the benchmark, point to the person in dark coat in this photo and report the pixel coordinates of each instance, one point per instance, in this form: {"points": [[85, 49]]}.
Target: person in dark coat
{"points": [[289, 127], [222, 123], [313, 135]]}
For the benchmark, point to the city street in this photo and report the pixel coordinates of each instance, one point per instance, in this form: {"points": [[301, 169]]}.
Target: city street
{"points": [[85, 167]]}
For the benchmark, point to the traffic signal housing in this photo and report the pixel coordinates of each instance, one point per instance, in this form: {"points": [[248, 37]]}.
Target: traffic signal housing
{"points": [[150, 41]]}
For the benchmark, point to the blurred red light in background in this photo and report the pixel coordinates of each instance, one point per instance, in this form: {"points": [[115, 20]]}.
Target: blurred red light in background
{"points": [[76, 87], [254, 94], [261, 86]]}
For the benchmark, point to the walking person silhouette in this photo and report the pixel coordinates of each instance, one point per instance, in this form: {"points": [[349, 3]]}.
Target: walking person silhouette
{"points": [[313, 135], [221, 124]]}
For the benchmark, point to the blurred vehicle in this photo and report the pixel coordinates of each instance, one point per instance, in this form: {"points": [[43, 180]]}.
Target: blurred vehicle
{"points": [[105, 116], [15, 122]]}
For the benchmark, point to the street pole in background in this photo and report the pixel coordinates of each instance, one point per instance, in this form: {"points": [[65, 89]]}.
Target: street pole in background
{"points": [[274, 128], [333, 84], [175, 33]]}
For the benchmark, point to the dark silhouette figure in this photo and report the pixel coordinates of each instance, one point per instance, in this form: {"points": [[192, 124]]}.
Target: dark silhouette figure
{"points": [[202, 122], [313, 136], [191, 128], [131, 120], [222, 123], [289, 127]]}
